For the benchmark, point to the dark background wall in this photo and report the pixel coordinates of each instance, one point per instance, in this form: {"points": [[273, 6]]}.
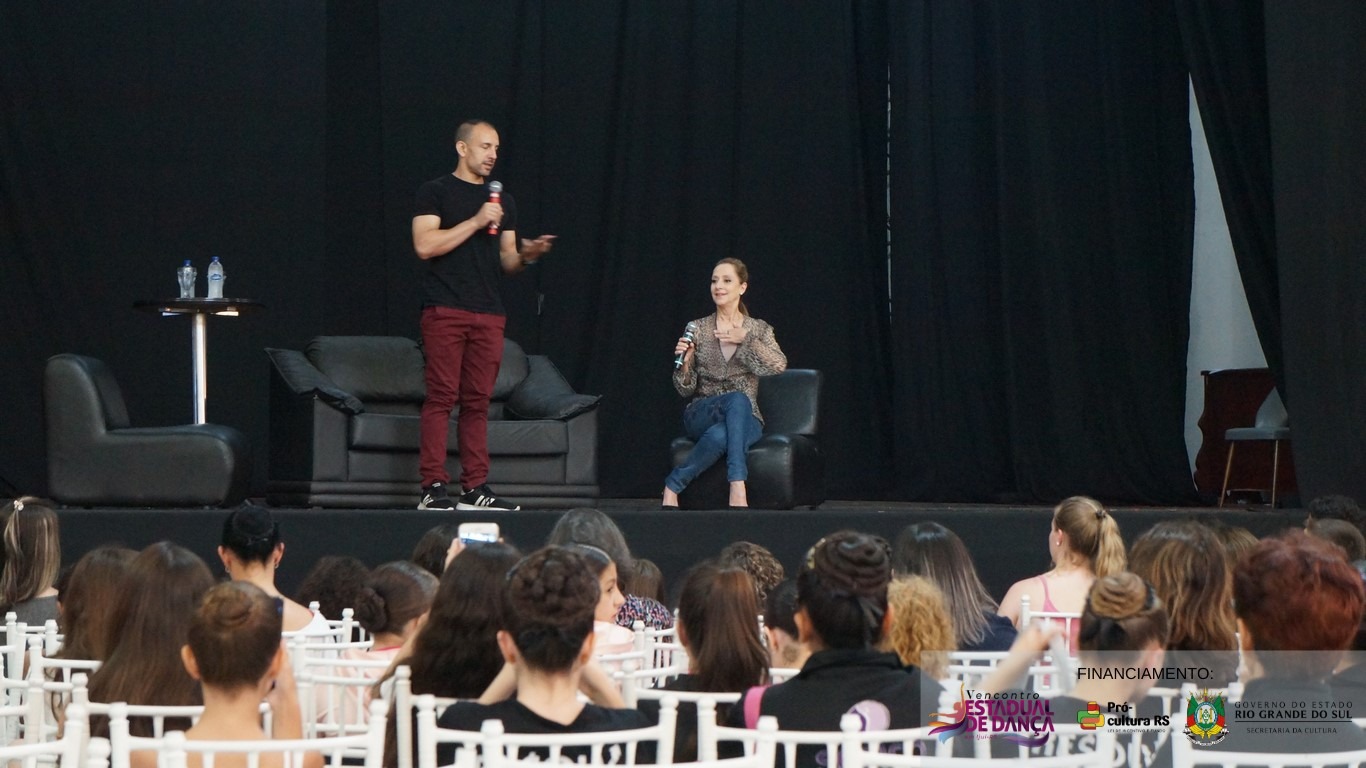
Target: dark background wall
{"points": [[1033, 344]]}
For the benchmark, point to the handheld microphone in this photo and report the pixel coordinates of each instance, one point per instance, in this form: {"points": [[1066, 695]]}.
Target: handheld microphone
{"points": [[495, 196], [689, 333]]}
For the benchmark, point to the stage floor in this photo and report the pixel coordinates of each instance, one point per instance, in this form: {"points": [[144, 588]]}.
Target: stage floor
{"points": [[1008, 543]]}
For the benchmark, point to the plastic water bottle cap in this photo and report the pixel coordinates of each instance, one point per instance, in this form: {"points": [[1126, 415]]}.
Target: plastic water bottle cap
{"points": [[187, 262], [215, 258]]}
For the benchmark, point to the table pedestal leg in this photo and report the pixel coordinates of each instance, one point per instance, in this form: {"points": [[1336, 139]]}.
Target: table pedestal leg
{"points": [[200, 353]]}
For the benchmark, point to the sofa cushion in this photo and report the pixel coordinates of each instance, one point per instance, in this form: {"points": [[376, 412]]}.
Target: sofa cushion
{"points": [[371, 367], [511, 372], [302, 377], [387, 432]]}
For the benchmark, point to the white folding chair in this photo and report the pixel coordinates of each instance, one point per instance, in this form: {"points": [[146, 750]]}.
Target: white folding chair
{"points": [[660, 646], [634, 681], [347, 629], [1184, 754], [65, 752], [1069, 622], [173, 749], [858, 752], [51, 686], [335, 694], [430, 737], [710, 735], [598, 748]]}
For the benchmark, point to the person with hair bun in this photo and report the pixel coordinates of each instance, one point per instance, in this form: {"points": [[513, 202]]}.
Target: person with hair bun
{"points": [[722, 363], [785, 651], [391, 605], [233, 649], [547, 641], [251, 551], [1123, 626], [33, 558], [1084, 544], [842, 615]]}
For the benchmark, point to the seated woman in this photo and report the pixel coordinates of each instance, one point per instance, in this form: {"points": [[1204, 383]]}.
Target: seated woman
{"points": [[1123, 626], [1186, 564], [547, 641], [785, 651], [842, 615], [608, 636], [147, 628], [720, 372], [392, 605], [33, 557], [921, 634], [585, 525], [936, 553], [234, 651], [717, 625], [251, 551], [1084, 544]]}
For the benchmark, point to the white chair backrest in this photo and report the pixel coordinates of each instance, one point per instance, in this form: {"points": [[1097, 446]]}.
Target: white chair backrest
{"points": [[856, 752], [173, 749], [634, 681], [65, 752], [661, 646], [430, 736], [1068, 621], [597, 748], [334, 694], [1185, 754], [782, 674]]}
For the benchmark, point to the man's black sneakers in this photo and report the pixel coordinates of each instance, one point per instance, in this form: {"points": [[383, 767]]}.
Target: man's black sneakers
{"points": [[481, 498], [434, 496]]}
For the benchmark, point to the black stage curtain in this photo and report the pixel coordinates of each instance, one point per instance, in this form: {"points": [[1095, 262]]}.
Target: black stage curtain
{"points": [[1316, 69], [134, 136], [655, 139], [1225, 50], [1041, 231]]}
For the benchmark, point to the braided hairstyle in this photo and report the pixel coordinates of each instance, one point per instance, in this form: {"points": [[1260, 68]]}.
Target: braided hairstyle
{"points": [[1122, 613], [842, 587], [235, 634], [552, 595]]}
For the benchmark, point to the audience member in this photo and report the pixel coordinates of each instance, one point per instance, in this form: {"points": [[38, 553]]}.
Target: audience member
{"points": [[921, 633], [547, 640], [1186, 565], [1340, 533], [148, 626], [1299, 604], [936, 553], [763, 568], [841, 616], [1336, 507], [1123, 628], [92, 593], [1237, 540], [647, 581], [1084, 544], [718, 627], [434, 546], [233, 649], [609, 637], [392, 605], [785, 651], [251, 550], [455, 653], [584, 525], [33, 557], [333, 583]]}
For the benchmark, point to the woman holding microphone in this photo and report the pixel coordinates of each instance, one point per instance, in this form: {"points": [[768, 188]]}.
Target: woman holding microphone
{"points": [[720, 373]]}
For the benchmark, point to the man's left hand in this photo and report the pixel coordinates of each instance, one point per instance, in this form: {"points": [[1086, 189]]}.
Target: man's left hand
{"points": [[533, 250]]}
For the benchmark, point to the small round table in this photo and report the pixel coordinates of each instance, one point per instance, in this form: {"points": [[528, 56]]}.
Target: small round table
{"points": [[199, 309]]}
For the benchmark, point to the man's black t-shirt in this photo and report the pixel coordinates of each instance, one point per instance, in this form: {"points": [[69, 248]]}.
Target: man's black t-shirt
{"points": [[470, 716], [467, 277]]}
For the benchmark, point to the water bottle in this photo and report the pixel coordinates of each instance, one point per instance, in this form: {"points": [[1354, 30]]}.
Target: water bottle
{"points": [[216, 279], [186, 276]]}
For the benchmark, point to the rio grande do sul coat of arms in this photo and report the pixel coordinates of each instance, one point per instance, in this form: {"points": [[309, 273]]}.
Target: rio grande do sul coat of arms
{"points": [[1205, 724]]}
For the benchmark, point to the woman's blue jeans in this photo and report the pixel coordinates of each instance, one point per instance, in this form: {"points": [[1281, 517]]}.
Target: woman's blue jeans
{"points": [[719, 425]]}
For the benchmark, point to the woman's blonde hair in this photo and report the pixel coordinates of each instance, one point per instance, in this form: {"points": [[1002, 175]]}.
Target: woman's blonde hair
{"points": [[1185, 563], [921, 634], [1092, 533]]}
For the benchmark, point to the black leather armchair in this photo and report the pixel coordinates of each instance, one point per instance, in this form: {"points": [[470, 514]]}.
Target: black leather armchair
{"points": [[786, 468], [94, 458], [344, 427]]}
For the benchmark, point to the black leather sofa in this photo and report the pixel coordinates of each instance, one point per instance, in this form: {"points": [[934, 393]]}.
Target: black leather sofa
{"points": [[96, 458], [786, 467], [344, 427]]}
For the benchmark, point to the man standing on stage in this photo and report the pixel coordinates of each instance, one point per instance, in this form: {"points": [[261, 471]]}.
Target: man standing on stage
{"points": [[466, 235]]}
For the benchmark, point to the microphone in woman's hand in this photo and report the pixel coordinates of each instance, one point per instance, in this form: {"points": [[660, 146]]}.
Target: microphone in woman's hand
{"points": [[689, 333]]}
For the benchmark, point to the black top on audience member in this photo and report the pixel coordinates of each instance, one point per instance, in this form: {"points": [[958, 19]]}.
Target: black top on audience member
{"points": [[841, 616], [552, 595]]}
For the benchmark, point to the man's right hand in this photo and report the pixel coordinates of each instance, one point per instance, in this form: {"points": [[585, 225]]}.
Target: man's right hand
{"points": [[488, 215]]}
